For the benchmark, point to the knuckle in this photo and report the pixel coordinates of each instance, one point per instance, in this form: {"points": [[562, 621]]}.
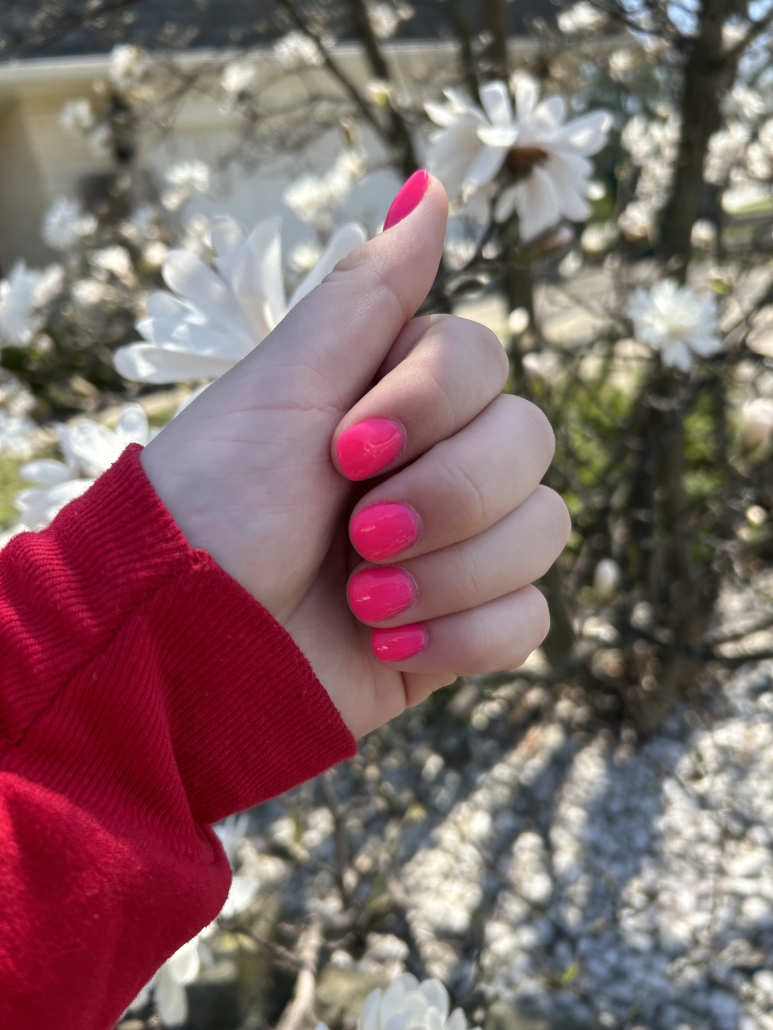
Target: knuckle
{"points": [[468, 578], [483, 340], [468, 500]]}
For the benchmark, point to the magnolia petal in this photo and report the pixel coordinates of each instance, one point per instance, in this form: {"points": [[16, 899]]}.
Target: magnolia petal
{"points": [[369, 1019], [537, 204], [496, 136], [171, 999], [526, 95], [439, 114], [208, 342], [132, 426], [343, 241], [436, 996], [184, 965], [227, 240], [495, 98], [551, 111], [187, 275], [677, 355], [457, 1020], [485, 166], [452, 152], [45, 471], [505, 204], [243, 889], [162, 304], [587, 134], [147, 363], [461, 105], [263, 277], [95, 447], [569, 189]]}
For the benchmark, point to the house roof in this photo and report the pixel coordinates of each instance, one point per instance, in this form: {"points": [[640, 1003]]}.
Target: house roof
{"points": [[32, 28]]}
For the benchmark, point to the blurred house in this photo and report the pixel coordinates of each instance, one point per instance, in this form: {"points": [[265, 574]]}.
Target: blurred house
{"points": [[42, 161]]}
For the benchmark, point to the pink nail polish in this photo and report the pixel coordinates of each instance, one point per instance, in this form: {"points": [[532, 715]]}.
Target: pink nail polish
{"points": [[368, 447], [408, 197], [395, 645], [382, 530], [378, 594]]}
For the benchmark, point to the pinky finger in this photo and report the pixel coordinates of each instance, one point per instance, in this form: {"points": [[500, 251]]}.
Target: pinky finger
{"points": [[498, 635]]}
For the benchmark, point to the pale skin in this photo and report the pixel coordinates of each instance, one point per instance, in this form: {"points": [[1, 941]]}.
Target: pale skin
{"points": [[250, 473]]}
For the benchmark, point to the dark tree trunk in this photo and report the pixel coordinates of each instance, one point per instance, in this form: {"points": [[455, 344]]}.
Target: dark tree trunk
{"points": [[706, 72]]}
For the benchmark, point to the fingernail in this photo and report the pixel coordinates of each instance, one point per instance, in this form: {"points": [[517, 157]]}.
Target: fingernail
{"points": [[408, 197], [378, 594], [368, 447], [395, 645], [382, 530]]}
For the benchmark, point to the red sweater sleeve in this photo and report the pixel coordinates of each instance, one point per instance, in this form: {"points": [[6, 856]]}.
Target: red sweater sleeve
{"points": [[144, 694]]}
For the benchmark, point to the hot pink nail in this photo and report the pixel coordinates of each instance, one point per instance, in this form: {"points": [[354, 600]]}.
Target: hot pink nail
{"points": [[408, 197], [382, 530], [368, 447], [395, 645], [378, 594]]}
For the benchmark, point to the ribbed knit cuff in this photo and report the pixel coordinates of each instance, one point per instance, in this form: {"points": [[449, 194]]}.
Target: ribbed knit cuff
{"points": [[247, 717]]}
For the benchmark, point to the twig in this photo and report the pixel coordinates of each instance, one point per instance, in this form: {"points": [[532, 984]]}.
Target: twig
{"points": [[281, 952], [301, 1006], [342, 856]]}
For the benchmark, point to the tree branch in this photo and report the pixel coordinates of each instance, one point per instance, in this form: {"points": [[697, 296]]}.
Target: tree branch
{"points": [[398, 131]]}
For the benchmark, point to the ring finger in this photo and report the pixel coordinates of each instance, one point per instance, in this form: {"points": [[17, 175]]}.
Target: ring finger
{"points": [[515, 551]]}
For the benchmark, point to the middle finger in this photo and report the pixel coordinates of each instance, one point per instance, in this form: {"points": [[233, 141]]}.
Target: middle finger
{"points": [[459, 487]]}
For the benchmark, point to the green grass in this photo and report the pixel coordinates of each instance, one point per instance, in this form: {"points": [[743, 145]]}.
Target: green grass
{"points": [[10, 484]]}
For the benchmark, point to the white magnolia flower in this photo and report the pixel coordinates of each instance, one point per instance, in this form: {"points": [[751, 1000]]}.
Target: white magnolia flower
{"points": [[759, 153], [238, 77], [599, 237], [727, 149], [116, 260], [89, 450], [676, 321], [18, 303], [167, 988], [653, 144], [703, 234], [384, 19], [545, 160], [22, 294], [183, 180], [304, 257], [77, 116], [756, 422], [621, 63], [607, 577], [582, 17], [65, 224], [231, 832], [214, 318], [637, 221], [409, 1005], [313, 195], [129, 65], [16, 434], [296, 49]]}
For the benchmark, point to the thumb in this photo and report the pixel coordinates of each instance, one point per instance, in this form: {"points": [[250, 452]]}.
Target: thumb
{"points": [[335, 339]]}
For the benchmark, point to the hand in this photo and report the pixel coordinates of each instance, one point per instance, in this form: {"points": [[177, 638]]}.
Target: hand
{"points": [[252, 471]]}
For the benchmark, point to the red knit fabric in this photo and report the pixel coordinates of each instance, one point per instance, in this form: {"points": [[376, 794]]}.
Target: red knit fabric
{"points": [[144, 694]]}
